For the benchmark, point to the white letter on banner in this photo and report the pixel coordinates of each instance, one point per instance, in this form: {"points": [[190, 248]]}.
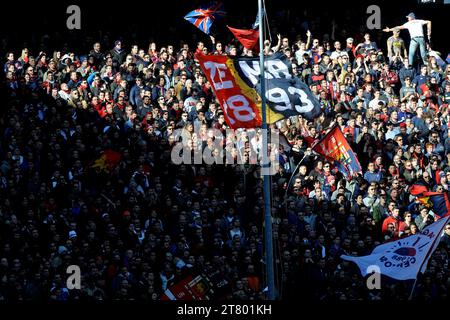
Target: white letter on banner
{"points": [[277, 68], [277, 96], [251, 72], [240, 107], [218, 66], [230, 119], [307, 105]]}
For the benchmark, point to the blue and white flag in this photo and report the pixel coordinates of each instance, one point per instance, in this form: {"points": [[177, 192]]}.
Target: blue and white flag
{"points": [[403, 259]]}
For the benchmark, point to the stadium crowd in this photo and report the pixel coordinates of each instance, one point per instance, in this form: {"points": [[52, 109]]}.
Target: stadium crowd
{"points": [[86, 176]]}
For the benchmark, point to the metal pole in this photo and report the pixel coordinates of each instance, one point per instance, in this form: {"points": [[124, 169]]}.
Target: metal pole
{"points": [[413, 288], [267, 203], [290, 181], [293, 174]]}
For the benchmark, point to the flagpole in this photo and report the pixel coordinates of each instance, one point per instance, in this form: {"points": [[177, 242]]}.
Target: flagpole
{"points": [[293, 173], [290, 179], [265, 164], [414, 287]]}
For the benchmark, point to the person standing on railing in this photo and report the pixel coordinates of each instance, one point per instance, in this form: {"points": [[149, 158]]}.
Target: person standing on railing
{"points": [[415, 28]]}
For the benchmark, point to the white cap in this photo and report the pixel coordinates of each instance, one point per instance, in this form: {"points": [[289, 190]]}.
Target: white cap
{"points": [[72, 234]]}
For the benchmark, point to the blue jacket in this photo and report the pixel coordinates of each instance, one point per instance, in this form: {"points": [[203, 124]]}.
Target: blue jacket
{"points": [[373, 176], [421, 125], [135, 94], [407, 72], [420, 80]]}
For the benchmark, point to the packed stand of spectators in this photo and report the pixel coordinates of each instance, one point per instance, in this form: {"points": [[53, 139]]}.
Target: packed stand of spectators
{"points": [[141, 223]]}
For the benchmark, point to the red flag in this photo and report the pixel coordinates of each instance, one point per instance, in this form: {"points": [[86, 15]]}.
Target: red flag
{"points": [[189, 289], [179, 291], [418, 188], [248, 38], [108, 160]]}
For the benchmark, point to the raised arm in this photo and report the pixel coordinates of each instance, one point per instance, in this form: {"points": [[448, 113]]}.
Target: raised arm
{"points": [[366, 67], [213, 41], [277, 47], [389, 47], [392, 29], [308, 40]]}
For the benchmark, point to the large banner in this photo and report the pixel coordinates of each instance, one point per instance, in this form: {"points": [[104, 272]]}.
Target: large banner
{"points": [[237, 100], [236, 85], [286, 96], [291, 97]]}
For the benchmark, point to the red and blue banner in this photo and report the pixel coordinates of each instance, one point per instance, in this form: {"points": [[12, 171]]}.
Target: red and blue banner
{"points": [[235, 82], [334, 147], [204, 17], [437, 201]]}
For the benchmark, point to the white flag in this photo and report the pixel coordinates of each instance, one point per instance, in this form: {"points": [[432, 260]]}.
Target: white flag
{"points": [[404, 258]]}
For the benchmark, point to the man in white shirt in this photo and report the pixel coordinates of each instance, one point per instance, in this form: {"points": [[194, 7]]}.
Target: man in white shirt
{"points": [[375, 102], [415, 28], [337, 52]]}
